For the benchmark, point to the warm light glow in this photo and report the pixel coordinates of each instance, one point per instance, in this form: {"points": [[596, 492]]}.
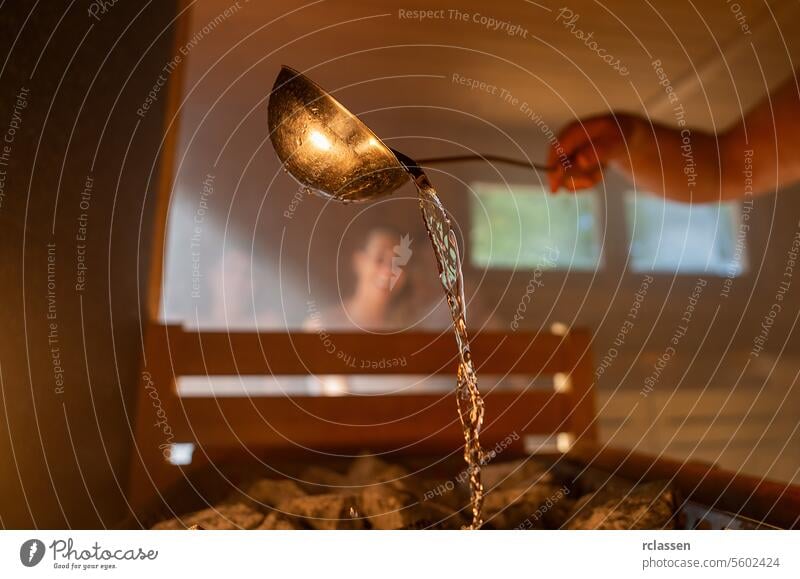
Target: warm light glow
{"points": [[564, 441], [320, 141], [562, 382], [333, 385], [180, 453]]}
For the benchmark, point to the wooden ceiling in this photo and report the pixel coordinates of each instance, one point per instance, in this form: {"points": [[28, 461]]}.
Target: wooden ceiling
{"points": [[719, 59]]}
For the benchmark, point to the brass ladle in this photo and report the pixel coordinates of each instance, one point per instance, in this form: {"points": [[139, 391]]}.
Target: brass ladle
{"points": [[329, 150]]}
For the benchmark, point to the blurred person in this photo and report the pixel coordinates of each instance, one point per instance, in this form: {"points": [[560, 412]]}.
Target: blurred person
{"points": [[381, 300], [393, 292], [382, 295], [654, 156]]}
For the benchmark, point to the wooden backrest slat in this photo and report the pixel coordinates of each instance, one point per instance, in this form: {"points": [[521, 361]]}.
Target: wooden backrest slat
{"points": [[308, 353], [353, 423]]}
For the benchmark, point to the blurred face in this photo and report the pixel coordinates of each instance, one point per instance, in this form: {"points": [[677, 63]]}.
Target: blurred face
{"points": [[373, 263]]}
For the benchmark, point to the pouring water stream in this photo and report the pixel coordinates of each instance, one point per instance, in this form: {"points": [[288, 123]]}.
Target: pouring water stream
{"points": [[330, 151]]}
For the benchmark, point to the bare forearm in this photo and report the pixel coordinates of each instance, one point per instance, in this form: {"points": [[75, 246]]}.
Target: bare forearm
{"points": [[770, 136], [680, 164], [758, 155]]}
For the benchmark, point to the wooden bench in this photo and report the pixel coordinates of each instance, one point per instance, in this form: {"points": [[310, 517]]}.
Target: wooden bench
{"points": [[422, 423]]}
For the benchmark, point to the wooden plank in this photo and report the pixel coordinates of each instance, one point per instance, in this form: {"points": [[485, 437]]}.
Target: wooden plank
{"points": [[306, 353], [581, 391], [773, 502], [416, 423], [157, 410], [149, 473], [166, 164]]}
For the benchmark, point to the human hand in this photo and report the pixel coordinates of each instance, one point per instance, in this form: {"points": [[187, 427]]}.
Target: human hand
{"points": [[584, 148]]}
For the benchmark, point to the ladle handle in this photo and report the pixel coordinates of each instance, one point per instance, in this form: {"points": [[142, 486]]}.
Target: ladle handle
{"points": [[489, 158]]}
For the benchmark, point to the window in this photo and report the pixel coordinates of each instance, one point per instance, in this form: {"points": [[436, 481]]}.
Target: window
{"points": [[524, 226], [671, 237]]}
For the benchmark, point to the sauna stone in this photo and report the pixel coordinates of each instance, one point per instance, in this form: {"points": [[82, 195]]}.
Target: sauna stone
{"points": [[514, 474], [368, 470], [328, 511], [279, 522], [646, 506], [269, 492], [387, 508], [371, 493], [443, 492], [592, 480], [220, 518], [320, 480], [518, 508]]}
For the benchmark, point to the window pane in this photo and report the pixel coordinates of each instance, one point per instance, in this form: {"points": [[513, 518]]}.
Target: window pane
{"points": [[668, 236], [524, 226]]}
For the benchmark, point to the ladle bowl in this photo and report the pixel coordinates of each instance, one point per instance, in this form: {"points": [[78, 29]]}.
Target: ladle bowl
{"points": [[325, 147]]}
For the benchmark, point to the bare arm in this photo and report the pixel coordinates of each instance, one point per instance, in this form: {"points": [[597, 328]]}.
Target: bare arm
{"points": [[686, 165]]}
